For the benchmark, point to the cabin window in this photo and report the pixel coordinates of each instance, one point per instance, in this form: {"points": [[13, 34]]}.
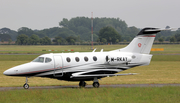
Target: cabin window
{"points": [[48, 60], [77, 59], [39, 59], [94, 58], [86, 59], [68, 59], [107, 58]]}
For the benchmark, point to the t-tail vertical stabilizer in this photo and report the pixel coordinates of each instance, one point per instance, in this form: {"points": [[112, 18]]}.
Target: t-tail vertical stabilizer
{"points": [[143, 42]]}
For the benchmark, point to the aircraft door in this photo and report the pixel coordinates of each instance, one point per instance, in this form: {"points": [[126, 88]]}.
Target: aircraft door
{"points": [[58, 66]]}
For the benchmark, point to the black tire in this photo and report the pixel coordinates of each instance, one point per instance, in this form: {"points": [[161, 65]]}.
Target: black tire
{"points": [[26, 86], [82, 84], [96, 85]]}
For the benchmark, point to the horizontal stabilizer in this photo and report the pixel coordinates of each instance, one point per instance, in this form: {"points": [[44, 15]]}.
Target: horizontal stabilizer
{"points": [[102, 75], [152, 30], [161, 29]]}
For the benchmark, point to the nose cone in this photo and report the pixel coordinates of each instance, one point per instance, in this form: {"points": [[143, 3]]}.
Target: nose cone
{"points": [[11, 71], [15, 70], [7, 72]]}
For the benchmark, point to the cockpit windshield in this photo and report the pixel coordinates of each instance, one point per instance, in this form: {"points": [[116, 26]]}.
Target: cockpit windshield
{"points": [[42, 59], [39, 59], [48, 60]]}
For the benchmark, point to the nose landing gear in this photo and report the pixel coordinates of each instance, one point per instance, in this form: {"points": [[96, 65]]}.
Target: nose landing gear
{"points": [[26, 85], [96, 83]]}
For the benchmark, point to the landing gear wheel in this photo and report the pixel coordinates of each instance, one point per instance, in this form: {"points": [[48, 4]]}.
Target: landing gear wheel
{"points": [[96, 85], [82, 84], [26, 86]]}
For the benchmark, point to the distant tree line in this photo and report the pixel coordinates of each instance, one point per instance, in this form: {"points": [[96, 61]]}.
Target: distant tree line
{"points": [[7, 34], [78, 30], [35, 40], [32, 40]]}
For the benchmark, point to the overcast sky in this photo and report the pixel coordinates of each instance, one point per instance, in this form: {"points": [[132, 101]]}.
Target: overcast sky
{"points": [[41, 14]]}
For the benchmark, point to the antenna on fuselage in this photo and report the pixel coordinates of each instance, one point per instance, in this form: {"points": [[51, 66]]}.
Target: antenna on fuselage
{"points": [[101, 50], [94, 50]]}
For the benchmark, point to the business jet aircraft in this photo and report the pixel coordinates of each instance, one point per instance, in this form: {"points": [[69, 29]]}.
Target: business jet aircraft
{"points": [[89, 66]]}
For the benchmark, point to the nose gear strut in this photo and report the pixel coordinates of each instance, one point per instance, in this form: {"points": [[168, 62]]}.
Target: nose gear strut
{"points": [[26, 85]]}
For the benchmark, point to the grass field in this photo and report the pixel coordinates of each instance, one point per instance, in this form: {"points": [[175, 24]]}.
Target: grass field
{"points": [[100, 95], [16, 49]]}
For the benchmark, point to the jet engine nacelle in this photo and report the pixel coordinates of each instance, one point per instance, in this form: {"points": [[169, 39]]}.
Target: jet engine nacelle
{"points": [[116, 60]]}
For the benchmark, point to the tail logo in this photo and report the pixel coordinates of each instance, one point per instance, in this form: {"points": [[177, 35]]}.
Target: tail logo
{"points": [[139, 45]]}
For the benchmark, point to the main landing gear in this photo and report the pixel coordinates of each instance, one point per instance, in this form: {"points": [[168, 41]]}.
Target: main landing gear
{"points": [[26, 85], [95, 83], [82, 84]]}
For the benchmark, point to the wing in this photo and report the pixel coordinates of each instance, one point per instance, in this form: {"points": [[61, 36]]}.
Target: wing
{"points": [[82, 74]]}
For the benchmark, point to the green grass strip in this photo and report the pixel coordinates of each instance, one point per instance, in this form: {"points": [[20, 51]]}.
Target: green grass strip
{"points": [[88, 95]]}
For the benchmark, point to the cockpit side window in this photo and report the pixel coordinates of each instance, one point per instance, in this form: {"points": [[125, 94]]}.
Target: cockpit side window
{"points": [[39, 59], [48, 60]]}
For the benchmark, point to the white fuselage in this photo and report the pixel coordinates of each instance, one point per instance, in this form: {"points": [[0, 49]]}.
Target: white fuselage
{"points": [[66, 65]]}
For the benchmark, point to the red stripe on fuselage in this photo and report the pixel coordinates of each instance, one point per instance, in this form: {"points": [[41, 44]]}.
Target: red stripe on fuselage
{"points": [[150, 36], [36, 71]]}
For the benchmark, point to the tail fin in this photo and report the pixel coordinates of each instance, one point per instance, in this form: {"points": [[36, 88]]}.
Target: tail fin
{"points": [[143, 42]]}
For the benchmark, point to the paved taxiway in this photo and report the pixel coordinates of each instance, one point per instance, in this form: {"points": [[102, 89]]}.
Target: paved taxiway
{"points": [[90, 86]]}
